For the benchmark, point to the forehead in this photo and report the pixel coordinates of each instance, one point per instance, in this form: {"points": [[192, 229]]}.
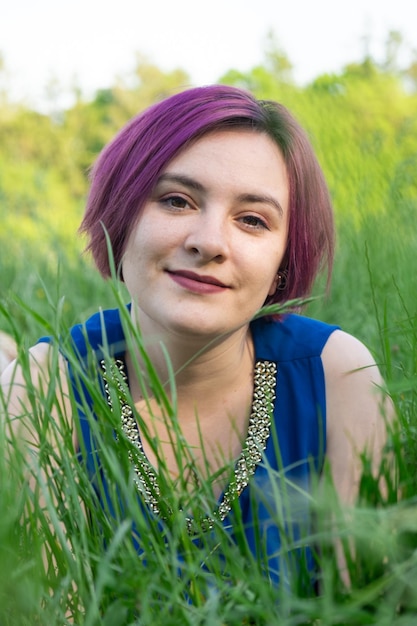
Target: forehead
{"points": [[243, 154], [229, 139]]}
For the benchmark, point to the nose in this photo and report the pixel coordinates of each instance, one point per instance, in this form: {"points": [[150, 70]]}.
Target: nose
{"points": [[208, 237]]}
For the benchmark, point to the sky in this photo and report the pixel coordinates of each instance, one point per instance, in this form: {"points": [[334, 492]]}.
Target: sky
{"points": [[90, 42]]}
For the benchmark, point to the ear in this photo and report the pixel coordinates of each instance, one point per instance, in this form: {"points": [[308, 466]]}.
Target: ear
{"points": [[279, 282]]}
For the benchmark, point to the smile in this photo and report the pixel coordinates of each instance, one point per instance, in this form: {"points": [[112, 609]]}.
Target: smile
{"points": [[196, 282]]}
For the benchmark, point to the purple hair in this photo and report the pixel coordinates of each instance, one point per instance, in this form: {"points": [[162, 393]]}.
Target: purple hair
{"points": [[128, 168]]}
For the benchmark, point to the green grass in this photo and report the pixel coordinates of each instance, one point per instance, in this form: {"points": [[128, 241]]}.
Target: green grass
{"points": [[90, 569], [58, 565]]}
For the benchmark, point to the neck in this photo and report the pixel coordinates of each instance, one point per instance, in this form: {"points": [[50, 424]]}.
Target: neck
{"points": [[200, 364]]}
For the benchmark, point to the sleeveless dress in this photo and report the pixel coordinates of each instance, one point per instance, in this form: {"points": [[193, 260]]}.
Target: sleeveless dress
{"points": [[274, 504]]}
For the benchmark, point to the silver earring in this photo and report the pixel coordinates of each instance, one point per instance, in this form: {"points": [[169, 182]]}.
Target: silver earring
{"points": [[282, 276]]}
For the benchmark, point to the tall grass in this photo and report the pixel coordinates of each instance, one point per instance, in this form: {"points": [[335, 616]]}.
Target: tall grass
{"points": [[60, 565]]}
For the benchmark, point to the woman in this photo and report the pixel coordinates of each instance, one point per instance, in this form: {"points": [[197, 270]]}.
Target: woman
{"points": [[213, 205]]}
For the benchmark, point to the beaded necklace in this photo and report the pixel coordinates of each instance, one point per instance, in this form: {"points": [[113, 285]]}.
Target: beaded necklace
{"points": [[146, 478]]}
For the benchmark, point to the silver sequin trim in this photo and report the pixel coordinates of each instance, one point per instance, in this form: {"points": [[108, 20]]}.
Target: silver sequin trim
{"points": [[146, 478]]}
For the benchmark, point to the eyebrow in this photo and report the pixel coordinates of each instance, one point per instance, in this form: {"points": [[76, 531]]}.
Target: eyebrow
{"points": [[256, 198], [182, 180], [253, 198]]}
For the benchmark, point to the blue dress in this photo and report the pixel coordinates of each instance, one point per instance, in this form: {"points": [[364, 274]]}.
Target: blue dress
{"points": [[274, 505]]}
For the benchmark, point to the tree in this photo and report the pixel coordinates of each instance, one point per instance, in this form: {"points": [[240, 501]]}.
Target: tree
{"points": [[277, 61], [393, 46], [410, 74]]}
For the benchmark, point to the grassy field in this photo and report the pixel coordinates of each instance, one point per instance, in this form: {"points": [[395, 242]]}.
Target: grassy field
{"points": [[91, 571], [59, 566]]}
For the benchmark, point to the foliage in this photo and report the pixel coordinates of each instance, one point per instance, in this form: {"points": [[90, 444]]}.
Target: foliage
{"points": [[71, 568], [363, 124]]}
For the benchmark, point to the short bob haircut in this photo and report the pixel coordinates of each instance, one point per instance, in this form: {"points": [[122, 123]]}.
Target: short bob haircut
{"points": [[128, 169]]}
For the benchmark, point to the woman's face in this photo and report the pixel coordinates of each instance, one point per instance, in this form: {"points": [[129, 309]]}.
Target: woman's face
{"points": [[204, 254]]}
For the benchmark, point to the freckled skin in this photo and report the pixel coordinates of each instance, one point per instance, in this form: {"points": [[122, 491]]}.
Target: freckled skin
{"points": [[219, 211]]}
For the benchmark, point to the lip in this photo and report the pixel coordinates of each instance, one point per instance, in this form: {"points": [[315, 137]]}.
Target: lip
{"points": [[197, 282]]}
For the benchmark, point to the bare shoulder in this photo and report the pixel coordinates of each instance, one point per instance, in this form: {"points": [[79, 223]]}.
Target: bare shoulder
{"points": [[357, 409], [35, 371], [344, 354], [354, 385], [38, 363]]}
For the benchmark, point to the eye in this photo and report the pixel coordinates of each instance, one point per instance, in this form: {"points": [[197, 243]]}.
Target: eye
{"points": [[254, 222], [177, 203]]}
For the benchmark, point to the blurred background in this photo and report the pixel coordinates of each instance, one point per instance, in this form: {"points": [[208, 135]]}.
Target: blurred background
{"points": [[72, 73]]}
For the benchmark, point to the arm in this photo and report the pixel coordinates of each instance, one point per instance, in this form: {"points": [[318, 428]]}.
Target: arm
{"points": [[356, 411], [26, 393], [23, 387]]}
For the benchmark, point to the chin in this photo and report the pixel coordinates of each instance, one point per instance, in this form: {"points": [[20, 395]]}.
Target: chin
{"points": [[199, 331], [205, 329]]}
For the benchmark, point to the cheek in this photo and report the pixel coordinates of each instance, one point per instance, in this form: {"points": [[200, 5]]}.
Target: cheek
{"points": [[273, 285], [132, 259], [144, 253], [269, 274], [262, 280], [141, 240]]}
